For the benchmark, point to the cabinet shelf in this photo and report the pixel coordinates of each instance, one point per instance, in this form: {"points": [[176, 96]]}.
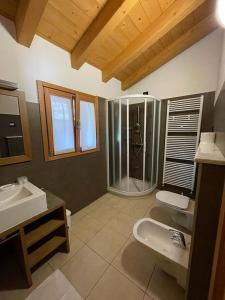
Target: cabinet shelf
{"points": [[36, 256], [37, 234]]}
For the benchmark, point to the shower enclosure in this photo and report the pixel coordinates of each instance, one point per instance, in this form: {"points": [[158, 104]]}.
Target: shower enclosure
{"points": [[132, 144]]}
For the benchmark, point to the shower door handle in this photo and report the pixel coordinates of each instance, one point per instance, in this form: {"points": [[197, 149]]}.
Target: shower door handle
{"points": [[144, 150]]}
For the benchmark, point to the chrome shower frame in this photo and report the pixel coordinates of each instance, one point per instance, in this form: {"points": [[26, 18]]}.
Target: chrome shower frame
{"points": [[145, 99]]}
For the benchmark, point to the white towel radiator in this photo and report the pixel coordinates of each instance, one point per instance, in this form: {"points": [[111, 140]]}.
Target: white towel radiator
{"points": [[183, 127]]}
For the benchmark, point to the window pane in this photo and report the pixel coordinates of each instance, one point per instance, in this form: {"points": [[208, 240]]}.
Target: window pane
{"points": [[62, 123], [87, 126]]}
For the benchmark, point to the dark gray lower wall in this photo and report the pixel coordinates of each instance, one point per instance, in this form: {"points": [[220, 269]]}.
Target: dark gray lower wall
{"points": [[219, 120], [219, 112], [206, 126], [78, 180]]}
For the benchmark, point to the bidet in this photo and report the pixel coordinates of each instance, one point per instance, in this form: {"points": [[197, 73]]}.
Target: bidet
{"points": [[168, 256]]}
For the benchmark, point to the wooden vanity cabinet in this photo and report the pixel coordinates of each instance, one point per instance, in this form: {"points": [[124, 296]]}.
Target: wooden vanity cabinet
{"points": [[210, 187], [40, 236]]}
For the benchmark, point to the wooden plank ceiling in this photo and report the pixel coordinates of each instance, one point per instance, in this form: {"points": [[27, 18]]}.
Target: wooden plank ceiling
{"points": [[126, 39]]}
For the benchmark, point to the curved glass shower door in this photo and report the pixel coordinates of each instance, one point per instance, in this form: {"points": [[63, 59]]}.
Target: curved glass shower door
{"points": [[133, 139]]}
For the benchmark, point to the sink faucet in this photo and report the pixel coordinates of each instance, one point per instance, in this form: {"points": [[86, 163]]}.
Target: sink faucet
{"points": [[22, 179]]}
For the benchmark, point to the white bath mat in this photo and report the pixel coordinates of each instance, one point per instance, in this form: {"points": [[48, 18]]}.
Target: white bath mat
{"points": [[55, 287]]}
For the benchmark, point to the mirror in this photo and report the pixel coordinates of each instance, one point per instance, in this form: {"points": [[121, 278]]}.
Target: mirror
{"points": [[14, 131]]}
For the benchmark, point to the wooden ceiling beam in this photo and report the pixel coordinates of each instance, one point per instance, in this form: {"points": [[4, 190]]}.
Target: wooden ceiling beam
{"points": [[192, 36], [28, 16], [155, 31], [109, 17], [8, 9]]}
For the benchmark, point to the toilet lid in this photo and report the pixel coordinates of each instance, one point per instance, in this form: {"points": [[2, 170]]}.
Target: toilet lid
{"points": [[173, 199]]}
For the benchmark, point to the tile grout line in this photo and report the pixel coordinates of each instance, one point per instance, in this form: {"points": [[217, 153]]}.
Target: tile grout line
{"points": [[104, 225], [92, 236], [124, 275], [97, 281], [69, 258], [110, 264], [105, 258], [97, 254], [119, 211], [155, 266], [99, 277], [134, 283]]}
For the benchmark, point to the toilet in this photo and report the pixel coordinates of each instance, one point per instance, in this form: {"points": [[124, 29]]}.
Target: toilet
{"points": [[180, 207]]}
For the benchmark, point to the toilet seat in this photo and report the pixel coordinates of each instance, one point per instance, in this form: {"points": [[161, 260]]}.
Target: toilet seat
{"points": [[172, 199]]}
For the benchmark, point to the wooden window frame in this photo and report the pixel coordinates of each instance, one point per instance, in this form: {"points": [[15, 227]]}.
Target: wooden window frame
{"points": [[27, 156], [46, 122]]}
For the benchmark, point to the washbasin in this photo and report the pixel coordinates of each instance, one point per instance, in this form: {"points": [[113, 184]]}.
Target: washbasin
{"points": [[20, 202]]}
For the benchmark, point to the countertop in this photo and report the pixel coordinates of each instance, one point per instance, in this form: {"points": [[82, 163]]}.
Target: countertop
{"points": [[209, 154]]}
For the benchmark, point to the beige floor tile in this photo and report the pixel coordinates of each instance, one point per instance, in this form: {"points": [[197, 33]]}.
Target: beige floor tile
{"points": [[121, 223], [41, 274], [158, 214], [59, 259], [103, 214], [77, 217], [136, 213], [113, 201], [164, 287], [84, 269], [97, 203], [87, 228], [107, 243], [103, 199], [116, 201], [145, 201], [126, 205], [147, 297], [136, 262], [123, 204], [113, 285], [136, 208], [94, 205], [38, 276]]}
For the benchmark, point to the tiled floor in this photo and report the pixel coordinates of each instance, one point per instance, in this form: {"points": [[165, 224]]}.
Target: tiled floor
{"points": [[105, 261]]}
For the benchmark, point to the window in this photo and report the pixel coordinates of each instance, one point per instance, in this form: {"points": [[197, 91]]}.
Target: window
{"points": [[88, 126], [70, 122]]}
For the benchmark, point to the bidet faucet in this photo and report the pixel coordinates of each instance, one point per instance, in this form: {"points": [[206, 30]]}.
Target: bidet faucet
{"points": [[178, 238]]}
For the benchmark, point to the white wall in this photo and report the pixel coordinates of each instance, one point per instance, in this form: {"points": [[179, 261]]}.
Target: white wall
{"points": [[221, 77], [44, 61], [193, 71]]}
